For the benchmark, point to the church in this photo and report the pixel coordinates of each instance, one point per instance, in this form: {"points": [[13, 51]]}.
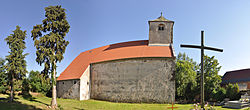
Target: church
{"points": [[134, 71]]}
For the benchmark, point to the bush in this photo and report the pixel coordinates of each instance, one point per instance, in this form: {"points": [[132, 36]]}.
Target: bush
{"points": [[220, 95], [25, 86], [3, 89], [49, 92], [39, 82], [233, 92]]}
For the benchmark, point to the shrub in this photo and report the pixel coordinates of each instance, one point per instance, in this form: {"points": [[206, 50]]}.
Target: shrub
{"points": [[233, 92], [39, 82], [220, 95], [25, 86]]}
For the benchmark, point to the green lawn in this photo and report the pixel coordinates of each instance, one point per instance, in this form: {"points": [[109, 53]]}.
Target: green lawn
{"points": [[42, 102]]}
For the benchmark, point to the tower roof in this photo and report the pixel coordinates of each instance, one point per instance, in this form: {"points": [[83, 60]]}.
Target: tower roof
{"points": [[161, 18]]}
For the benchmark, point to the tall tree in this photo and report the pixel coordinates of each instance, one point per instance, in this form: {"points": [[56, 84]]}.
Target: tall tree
{"points": [[16, 64], [49, 38]]}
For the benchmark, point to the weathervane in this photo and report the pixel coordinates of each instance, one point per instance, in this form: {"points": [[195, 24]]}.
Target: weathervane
{"points": [[202, 47]]}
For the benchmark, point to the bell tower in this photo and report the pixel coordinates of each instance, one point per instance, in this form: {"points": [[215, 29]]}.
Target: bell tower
{"points": [[160, 32]]}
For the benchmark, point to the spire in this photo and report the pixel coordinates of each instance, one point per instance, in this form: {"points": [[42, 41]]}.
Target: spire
{"points": [[161, 18]]}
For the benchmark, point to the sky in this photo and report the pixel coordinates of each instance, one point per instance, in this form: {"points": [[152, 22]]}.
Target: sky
{"points": [[96, 23]]}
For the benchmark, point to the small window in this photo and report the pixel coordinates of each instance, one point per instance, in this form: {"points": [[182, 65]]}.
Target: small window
{"points": [[161, 27], [87, 83], [74, 82], [62, 82]]}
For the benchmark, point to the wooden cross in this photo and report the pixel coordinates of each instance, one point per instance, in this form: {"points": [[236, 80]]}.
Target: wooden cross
{"points": [[172, 106], [172, 103], [202, 47]]}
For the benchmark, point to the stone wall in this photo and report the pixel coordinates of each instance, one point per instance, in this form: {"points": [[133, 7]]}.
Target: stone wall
{"points": [[69, 89], [148, 80]]}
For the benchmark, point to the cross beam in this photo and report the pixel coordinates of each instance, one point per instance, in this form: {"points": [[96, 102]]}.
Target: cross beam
{"points": [[202, 47], [199, 47]]}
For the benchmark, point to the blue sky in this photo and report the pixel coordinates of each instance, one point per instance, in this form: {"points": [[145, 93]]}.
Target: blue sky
{"points": [[96, 23]]}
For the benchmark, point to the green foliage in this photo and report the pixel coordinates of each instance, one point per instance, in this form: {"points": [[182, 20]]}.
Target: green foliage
{"points": [[49, 39], [185, 77], [18, 84], [220, 94], [35, 81], [188, 78], [38, 82], [3, 77], [233, 92], [25, 87], [16, 64], [211, 78]]}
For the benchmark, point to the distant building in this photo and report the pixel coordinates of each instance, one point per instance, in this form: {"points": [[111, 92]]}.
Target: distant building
{"points": [[241, 77], [135, 71]]}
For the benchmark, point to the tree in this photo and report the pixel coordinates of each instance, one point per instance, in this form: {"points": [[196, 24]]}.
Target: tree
{"points": [[188, 78], [3, 77], [50, 43], [16, 64], [35, 81], [185, 77], [38, 82], [211, 78]]}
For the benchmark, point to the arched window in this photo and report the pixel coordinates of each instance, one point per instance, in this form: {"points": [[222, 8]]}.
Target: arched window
{"points": [[161, 27]]}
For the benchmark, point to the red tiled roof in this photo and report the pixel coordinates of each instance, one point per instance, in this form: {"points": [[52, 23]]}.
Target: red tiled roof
{"points": [[132, 49], [236, 76]]}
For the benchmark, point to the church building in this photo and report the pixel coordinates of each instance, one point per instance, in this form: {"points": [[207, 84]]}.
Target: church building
{"points": [[134, 71]]}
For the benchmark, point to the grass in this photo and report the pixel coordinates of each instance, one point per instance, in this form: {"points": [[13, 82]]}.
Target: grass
{"points": [[41, 102]]}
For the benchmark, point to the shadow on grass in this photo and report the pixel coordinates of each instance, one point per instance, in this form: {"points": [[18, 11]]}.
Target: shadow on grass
{"points": [[33, 99], [78, 108], [15, 105]]}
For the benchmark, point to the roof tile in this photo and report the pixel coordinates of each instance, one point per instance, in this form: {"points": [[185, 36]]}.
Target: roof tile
{"points": [[132, 49]]}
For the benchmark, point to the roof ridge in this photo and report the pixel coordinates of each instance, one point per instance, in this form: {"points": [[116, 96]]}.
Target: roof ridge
{"points": [[238, 70]]}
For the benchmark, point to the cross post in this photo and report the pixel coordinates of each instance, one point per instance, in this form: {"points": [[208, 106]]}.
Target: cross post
{"points": [[202, 47]]}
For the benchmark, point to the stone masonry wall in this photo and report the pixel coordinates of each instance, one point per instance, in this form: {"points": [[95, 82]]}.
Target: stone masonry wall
{"points": [[69, 89], [148, 80], [160, 36]]}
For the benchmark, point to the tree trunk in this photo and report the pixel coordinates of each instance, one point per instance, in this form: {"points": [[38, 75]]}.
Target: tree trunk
{"points": [[53, 101], [12, 89]]}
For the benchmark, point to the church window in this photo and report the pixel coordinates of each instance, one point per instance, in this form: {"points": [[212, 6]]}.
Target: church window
{"points": [[161, 27]]}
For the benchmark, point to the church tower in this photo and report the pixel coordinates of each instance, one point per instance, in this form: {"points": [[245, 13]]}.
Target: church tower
{"points": [[160, 32]]}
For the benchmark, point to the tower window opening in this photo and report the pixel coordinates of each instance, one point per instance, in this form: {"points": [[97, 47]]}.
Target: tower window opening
{"points": [[161, 27]]}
